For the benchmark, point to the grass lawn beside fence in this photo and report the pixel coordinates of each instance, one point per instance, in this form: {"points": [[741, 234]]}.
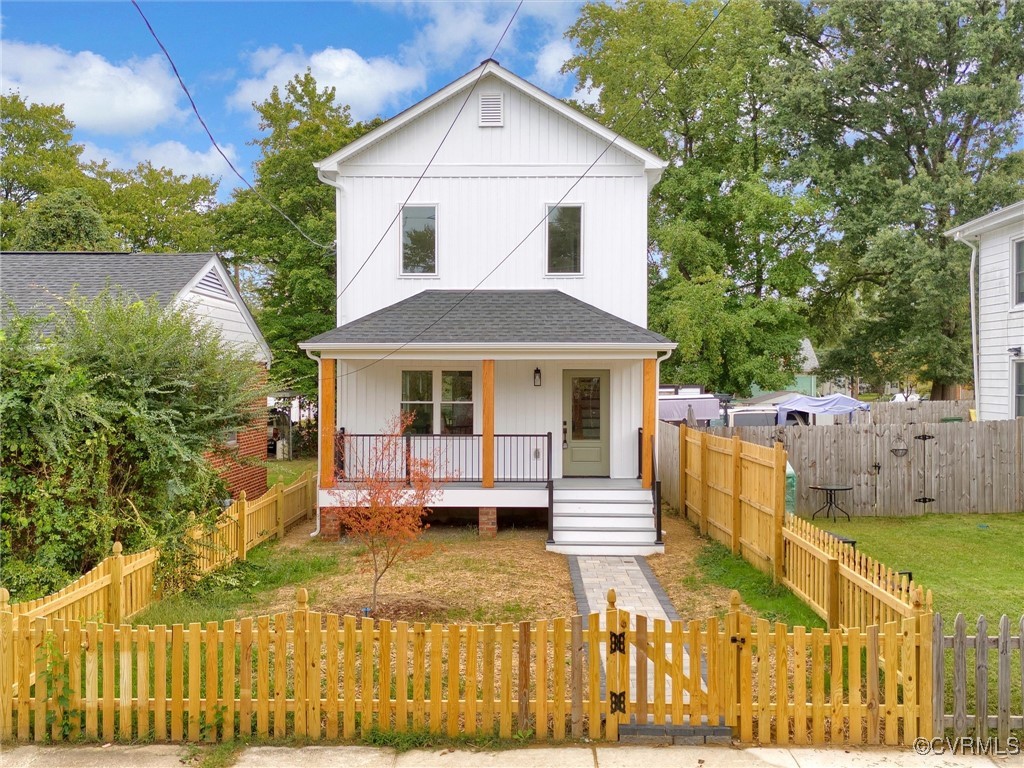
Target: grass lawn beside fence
{"points": [[288, 472], [462, 579], [973, 563]]}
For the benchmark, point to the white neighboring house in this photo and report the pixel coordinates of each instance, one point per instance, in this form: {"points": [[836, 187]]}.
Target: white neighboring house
{"points": [[534, 377], [997, 244]]}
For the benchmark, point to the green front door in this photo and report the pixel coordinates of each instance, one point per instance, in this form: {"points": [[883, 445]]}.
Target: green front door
{"points": [[585, 428]]}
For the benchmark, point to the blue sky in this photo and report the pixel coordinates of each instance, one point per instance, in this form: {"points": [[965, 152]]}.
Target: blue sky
{"points": [[99, 60]]}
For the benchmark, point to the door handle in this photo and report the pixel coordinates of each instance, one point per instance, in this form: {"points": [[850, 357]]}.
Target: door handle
{"points": [[565, 436]]}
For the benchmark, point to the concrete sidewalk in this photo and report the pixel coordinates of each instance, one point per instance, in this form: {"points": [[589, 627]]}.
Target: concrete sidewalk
{"points": [[571, 756]]}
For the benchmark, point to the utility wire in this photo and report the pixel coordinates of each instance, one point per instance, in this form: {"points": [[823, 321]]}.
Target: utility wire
{"points": [[213, 141], [426, 168], [618, 135]]}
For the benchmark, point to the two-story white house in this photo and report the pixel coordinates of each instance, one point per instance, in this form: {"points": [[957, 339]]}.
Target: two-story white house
{"points": [[505, 309], [997, 304]]}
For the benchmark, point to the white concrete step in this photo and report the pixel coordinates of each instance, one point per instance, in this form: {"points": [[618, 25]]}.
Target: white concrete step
{"points": [[602, 495], [604, 548], [604, 509], [587, 521], [608, 535]]}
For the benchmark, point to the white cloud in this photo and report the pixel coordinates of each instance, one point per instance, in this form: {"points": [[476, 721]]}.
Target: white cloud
{"points": [[547, 72], [123, 99], [168, 154], [369, 86]]}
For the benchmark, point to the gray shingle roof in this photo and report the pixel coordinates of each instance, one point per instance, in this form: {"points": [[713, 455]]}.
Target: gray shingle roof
{"points": [[36, 282], [489, 317]]}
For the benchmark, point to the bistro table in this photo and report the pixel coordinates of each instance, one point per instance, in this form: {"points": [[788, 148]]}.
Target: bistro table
{"points": [[830, 507]]}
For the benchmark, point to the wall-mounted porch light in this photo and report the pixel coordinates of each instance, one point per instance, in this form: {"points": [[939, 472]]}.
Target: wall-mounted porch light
{"points": [[536, 377], [1014, 352]]}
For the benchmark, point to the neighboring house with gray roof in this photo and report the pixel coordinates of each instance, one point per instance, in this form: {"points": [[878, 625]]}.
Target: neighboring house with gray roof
{"points": [[504, 310], [38, 283]]}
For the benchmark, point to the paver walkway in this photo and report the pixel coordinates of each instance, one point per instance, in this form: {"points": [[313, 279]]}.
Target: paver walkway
{"points": [[636, 590]]}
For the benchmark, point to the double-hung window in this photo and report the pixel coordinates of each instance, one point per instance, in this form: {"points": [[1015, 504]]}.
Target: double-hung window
{"points": [[1018, 389], [419, 240], [441, 402], [565, 240]]}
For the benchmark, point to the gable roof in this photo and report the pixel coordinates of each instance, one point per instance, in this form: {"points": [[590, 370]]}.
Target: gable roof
{"points": [[489, 318], [1009, 214], [651, 162], [37, 282]]}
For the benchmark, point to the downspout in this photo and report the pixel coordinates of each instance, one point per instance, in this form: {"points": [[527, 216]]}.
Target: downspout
{"points": [[974, 321], [319, 399], [657, 377]]}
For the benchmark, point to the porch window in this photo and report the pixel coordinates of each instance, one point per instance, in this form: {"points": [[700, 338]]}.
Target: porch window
{"points": [[565, 239], [419, 241], [441, 404], [418, 400]]}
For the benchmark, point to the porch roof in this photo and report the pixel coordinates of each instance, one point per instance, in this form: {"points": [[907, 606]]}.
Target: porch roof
{"points": [[491, 317]]}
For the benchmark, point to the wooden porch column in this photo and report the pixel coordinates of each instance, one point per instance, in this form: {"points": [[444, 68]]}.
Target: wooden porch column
{"points": [[328, 417], [488, 431], [650, 404]]}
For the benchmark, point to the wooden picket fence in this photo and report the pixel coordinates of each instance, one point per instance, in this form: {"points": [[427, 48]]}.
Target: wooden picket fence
{"points": [[323, 676], [963, 675], [122, 585], [734, 492]]}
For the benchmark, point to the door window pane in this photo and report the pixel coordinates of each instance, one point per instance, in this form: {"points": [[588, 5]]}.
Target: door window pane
{"points": [[565, 239], [586, 407], [419, 246]]}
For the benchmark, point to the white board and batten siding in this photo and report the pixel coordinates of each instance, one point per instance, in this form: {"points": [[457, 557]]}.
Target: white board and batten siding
{"points": [[369, 398], [1000, 320], [492, 186], [211, 299]]}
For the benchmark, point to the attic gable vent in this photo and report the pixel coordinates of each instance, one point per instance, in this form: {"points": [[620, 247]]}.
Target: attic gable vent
{"points": [[492, 110], [211, 285]]}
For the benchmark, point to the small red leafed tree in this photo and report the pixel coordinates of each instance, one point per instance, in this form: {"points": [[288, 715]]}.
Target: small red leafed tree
{"points": [[393, 492]]}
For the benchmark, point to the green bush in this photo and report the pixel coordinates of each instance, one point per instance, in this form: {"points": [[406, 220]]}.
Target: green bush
{"points": [[109, 408]]}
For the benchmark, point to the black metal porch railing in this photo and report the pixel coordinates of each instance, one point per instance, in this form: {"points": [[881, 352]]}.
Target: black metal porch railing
{"points": [[452, 458]]}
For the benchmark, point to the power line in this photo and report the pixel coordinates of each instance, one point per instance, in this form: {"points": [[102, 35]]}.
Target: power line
{"points": [[426, 168], [618, 135], [213, 141]]}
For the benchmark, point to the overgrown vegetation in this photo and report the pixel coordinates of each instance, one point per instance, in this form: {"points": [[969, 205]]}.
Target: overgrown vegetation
{"points": [[110, 407]]}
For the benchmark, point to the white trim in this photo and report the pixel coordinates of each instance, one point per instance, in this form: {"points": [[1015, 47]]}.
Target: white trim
{"points": [[1016, 291], [493, 352], [440, 170], [216, 264], [547, 244], [401, 241], [994, 220], [650, 161]]}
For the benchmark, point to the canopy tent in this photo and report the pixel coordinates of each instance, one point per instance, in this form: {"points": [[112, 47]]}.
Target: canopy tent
{"points": [[676, 408], [833, 404]]}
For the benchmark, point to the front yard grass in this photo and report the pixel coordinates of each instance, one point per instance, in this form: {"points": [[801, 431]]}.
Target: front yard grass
{"points": [[973, 564], [288, 472], [462, 579]]}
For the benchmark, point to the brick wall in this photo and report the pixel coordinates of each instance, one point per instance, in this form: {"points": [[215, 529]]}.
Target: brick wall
{"points": [[243, 467], [330, 524]]}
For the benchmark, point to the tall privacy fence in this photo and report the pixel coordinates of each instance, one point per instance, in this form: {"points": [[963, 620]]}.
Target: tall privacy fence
{"points": [[122, 585], [919, 412], [904, 469], [734, 492], [322, 676]]}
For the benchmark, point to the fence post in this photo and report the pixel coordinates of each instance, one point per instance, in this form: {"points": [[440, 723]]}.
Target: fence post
{"points": [[682, 469], [114, 596], [732, 688], [780, 512], [832, 584], [241, 515], [279, 510], [737, 493], [703, 521], [5, 601]]}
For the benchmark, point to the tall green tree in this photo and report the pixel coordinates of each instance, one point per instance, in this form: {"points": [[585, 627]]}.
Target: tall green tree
{"points": [[301, 124], [66, 220], [905, 118], [724, 214]]}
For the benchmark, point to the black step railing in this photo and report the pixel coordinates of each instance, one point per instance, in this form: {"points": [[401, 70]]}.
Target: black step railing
{"points": [[451, 458]]}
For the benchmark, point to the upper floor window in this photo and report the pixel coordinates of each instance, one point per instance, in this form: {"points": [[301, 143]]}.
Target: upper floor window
{"points": [[1018, 272], [419, 240], [565, 239]]}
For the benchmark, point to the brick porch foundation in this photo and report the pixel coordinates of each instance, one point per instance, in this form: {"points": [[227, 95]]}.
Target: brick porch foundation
{"points": [[488, 522], [330, 523]]}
